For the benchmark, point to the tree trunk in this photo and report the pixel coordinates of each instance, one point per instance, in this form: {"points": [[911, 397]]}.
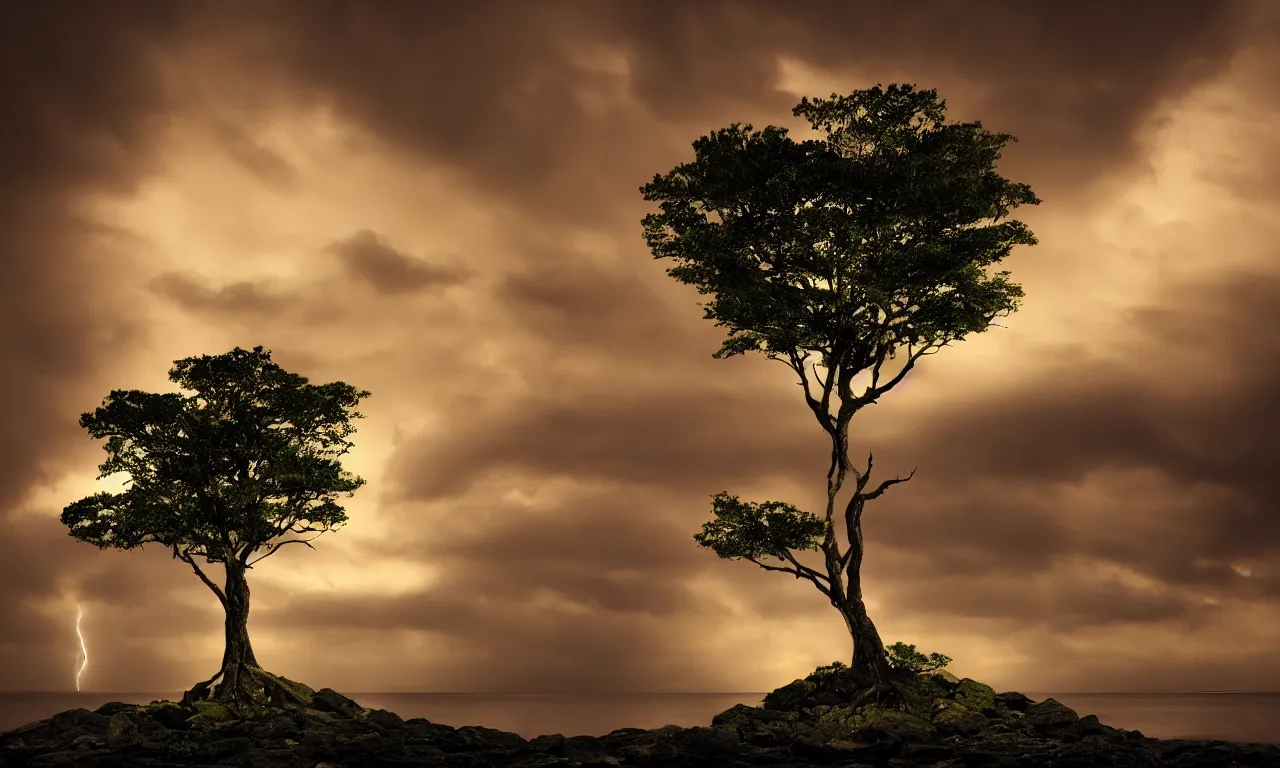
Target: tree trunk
{"points": [[238, 662], [870, 665], [243, 684]]}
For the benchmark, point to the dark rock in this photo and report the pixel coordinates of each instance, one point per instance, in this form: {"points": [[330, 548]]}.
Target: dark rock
{"points": [[1013, 701], [1051, 716], [761, 727], [791, 696], [476, 737], [575, 748], [78, 718], [112, 707], [935, 723], [329, 700]]}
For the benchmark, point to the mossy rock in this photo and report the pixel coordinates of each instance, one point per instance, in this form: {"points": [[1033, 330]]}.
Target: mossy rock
{"points": [[213, 712], [941, 674], [875, 721], [975, 695], [203, 722], [120, 726], [954, 716], [761, 727], [304, 692], [919, 693], [837, 722], [170, 714], [790, 697]]}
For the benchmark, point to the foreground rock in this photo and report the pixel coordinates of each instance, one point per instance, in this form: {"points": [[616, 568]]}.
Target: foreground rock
{"points": [[941, 723]]}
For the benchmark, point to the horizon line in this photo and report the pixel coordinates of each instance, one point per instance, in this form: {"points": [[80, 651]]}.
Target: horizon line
{"points": [[631, 693]]}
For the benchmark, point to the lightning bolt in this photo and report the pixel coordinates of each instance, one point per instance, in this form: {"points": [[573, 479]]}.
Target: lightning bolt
{"points": [[84, 651]]}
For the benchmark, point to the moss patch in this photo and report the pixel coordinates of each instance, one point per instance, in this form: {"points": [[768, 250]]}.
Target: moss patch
{"points": [[955, 716], [303, 692], [213, 711], [835, 722], [975, 695], [119, 726], [875, 720]]}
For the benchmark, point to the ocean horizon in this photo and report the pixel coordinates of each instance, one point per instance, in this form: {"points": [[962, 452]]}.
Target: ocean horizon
{"points": [[1241, 716]]}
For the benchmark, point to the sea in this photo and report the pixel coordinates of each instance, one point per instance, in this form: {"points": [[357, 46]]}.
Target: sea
{"points": [[1244, 717]]}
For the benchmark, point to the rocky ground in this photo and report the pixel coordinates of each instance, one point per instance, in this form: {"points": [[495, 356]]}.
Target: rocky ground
{"points": [[940, 722]]}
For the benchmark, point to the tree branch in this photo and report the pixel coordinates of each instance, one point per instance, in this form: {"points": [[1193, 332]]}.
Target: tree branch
{"points": [[809, 573], [873, 392], [796, 363], [794, 572], [881, 488], [853, 509], [271, 550], [185, 556]]}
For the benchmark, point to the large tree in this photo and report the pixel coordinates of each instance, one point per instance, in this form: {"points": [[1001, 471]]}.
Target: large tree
{"points": [[835, 255], [244, 465]]}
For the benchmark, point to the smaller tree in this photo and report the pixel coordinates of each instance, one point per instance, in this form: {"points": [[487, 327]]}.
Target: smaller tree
{"points": [[905, 658], [243, 466]]}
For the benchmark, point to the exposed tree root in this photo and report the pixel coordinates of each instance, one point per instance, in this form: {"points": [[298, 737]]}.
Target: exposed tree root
{"points": [[248, 687], [200, 691], [885, 694]]}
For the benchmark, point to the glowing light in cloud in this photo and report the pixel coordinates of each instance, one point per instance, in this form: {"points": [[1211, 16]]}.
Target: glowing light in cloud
{"points": [[84, 651]]}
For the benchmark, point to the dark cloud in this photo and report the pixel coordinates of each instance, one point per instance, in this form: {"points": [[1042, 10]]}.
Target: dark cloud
{"points": [[263, 162], [533, 120], [678, 438], [80, 101], [1068, 604], [367, 257], [578, 306], [244, 297]]}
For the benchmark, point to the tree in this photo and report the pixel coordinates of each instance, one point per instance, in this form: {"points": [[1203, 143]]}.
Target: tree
{"points": [[244, 466], [834, 256]]}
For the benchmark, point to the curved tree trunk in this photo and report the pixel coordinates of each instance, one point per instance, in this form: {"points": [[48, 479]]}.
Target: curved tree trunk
{"points": [[243, 682], [869, 661], [238, 662], [870, 664]]}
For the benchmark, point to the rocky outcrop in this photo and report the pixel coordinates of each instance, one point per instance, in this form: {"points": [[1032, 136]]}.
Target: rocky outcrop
{"points": [[939, 723]]}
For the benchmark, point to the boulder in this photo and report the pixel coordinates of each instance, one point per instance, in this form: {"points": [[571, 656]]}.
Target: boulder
{"points": [[1013, 701], [974, 695], [1051, 716], [954, 717], [878, 723], [329, 700], [791, 696]]}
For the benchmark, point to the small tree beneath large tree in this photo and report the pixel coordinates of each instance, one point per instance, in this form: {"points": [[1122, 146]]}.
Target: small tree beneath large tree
{"points": [[244, 465], [834, 256]]}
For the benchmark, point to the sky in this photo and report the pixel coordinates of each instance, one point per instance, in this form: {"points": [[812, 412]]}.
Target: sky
{"points": [[439, 203]]}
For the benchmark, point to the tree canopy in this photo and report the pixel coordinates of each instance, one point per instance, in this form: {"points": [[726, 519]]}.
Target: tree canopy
{"points": [[246, 463], [834, 255]]}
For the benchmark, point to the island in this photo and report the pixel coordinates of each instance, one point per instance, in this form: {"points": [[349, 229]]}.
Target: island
{"points": [[822, 720]]}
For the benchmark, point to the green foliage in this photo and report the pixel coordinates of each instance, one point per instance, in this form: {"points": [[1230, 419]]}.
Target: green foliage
{"points": [[832, 670], [876, 236], [743, 529], [905, 658], [249, 459]]}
